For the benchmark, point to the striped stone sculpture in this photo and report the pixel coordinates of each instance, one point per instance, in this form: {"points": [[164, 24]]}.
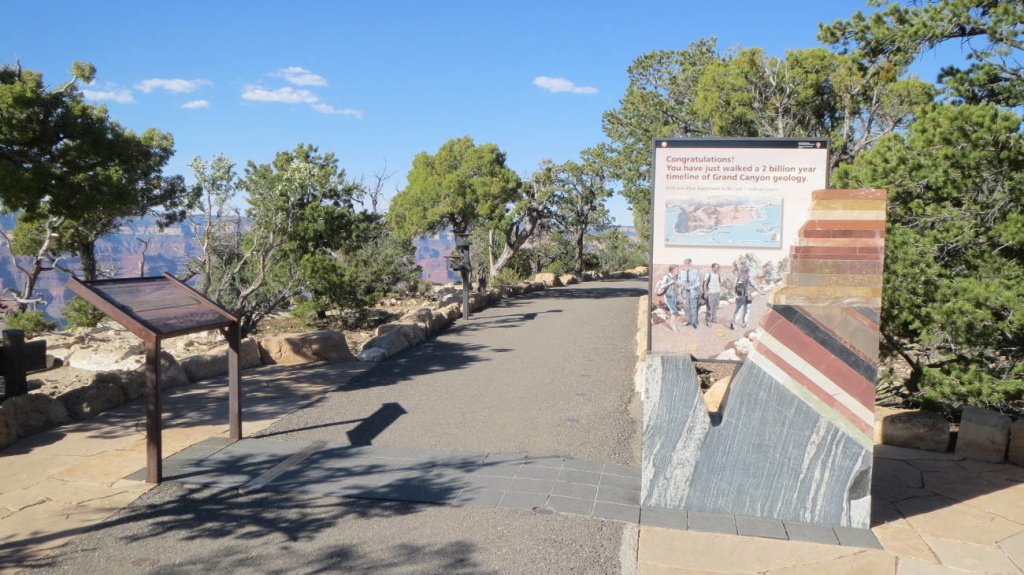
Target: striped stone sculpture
{"points": [[793, 437]]}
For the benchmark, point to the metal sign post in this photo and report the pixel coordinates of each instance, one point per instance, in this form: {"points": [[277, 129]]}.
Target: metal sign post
{"points": [[155, 308]]}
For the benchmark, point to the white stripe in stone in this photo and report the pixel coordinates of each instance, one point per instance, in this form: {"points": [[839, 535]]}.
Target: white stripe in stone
{"points": [[827, 385]]}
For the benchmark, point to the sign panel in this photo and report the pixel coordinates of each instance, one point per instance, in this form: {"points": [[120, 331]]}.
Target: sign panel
{"points": [[724, 214], [161, 304]]}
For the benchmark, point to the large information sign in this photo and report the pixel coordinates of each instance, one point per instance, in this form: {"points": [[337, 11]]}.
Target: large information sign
{"points": [[724, 214], [155, 308]]}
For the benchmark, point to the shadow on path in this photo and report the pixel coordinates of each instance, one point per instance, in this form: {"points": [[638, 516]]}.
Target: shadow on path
{"points": [[170, 531]]}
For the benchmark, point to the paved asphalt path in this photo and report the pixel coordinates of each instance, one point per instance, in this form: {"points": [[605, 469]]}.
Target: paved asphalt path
{"points": [[548, 373]]}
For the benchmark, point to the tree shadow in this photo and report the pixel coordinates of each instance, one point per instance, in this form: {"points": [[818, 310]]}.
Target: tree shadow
{"points": [[603, 292], [187, 529]]}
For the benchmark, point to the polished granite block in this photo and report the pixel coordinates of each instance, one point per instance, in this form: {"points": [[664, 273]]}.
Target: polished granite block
{"points": [[772, 456]]}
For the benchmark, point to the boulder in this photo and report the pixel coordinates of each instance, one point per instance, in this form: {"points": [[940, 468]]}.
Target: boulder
{"points": [[448, 294], [1015, 454], [983, 434], [94, 398], [548, 279], [374, 354], [411, 332], [915, 429], [437, 321], [569, 279], [215, 362], [478, 301], [117, 354], [422, 317], [205, 365], [714, 396], [8, 428], [391, 342], [450, 312], [133, 383], [292, 348], [33, 412]]}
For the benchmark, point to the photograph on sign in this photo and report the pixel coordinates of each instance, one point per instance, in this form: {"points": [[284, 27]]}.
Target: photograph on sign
{"points": [[743, 221], [724, 215]]}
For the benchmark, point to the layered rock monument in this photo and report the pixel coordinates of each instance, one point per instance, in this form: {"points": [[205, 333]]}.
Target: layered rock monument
{"points": [[793, 437]]}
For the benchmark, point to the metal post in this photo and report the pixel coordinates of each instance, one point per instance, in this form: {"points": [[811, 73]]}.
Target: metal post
{"points": [[234, 383], [154, 442], [465, 293], [15, 381]]}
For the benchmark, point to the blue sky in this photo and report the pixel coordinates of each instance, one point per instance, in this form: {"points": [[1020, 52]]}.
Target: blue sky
{"points": [[379, 83]]}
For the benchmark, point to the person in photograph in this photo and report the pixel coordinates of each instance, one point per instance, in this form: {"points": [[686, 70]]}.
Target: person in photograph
{"points": [[744, 294], [712, 290], [688, 280], [666, 288]]}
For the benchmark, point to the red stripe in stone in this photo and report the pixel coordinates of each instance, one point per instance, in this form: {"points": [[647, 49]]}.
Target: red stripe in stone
{"points": [[827, 399], [814, 354]]}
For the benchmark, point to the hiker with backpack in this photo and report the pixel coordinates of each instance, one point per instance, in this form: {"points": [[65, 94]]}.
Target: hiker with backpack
{"points": [[712, 292], [666, 287], [688, 280], [744, 293]]}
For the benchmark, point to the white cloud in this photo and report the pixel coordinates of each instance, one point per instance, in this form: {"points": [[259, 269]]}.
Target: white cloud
{"points": [[196, 104], [284, 95], [300, 76], [562, 85], [329, 109], [113, 94], [175, 85]]}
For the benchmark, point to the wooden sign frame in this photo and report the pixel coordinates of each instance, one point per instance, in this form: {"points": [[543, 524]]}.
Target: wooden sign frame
{"points": [[155, 308]]}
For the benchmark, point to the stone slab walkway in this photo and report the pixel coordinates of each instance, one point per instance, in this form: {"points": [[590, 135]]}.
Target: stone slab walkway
{"points": [[544, 483], [933, 513], [58, 484]]}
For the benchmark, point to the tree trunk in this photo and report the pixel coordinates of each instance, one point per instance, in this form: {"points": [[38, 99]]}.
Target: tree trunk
{"points": [[580, 236], [87, 252]]}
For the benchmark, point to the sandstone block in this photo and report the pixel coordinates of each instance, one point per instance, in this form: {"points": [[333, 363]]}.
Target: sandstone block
{"points": [[34, 412], [391, 342], [94, 358], [215, 362], [983, 434], [450, 312], [132, 383], [569, 279], [715, 394], [8, 428], [292, 348], [924, 430], [477, 301], [92, 399], [421, 317], [548, 279], [1016, 452], [412, 333], [374, 354]]}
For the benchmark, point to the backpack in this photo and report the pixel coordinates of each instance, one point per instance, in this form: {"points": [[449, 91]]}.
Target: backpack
{"points": [[741, 288]]}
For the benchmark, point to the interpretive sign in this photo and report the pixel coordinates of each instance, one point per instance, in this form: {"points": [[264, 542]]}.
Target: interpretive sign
{"points": [[724, 214], [155, 308]]}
